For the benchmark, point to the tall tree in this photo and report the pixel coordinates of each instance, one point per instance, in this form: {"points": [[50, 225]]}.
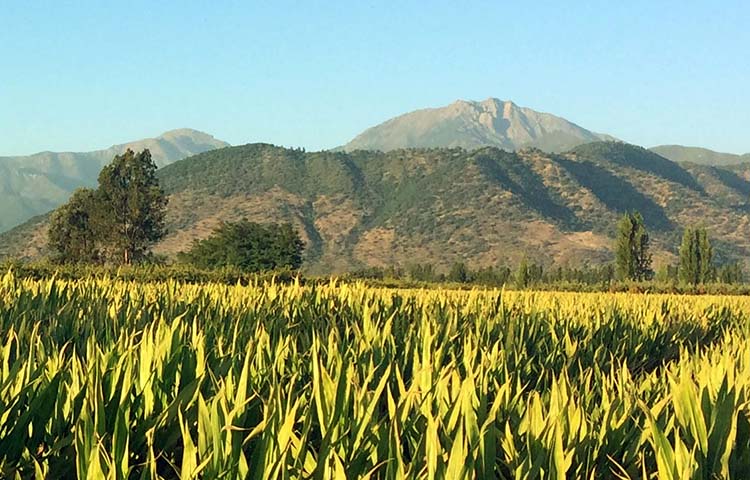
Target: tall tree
{"points": [[523, 275], [74, 228], [632, 257], [696, 256], [130, 192]]}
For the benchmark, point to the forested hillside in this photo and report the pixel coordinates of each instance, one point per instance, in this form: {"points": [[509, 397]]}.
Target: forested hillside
{"points": [[484, 207]]}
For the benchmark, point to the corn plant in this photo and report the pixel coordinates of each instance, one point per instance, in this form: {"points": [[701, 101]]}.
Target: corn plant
{"points": [[103, 378]]}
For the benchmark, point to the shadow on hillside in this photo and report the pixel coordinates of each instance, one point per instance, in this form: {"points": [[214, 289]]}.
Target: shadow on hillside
{"points": [[517, 177], [640, 159], [731, 180], [616, 193], [661, 167]]}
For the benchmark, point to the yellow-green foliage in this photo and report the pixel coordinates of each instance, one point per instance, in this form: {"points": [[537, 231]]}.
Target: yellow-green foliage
{"points": [[110, 379]]}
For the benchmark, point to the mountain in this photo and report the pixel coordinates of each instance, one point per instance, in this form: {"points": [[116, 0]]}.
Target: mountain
{"points": [[701, 156], [486, 206], [471, 125], [34, 184]]}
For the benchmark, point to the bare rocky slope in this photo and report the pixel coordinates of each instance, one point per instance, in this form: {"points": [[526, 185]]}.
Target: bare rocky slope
{"points": [[471, 125]]}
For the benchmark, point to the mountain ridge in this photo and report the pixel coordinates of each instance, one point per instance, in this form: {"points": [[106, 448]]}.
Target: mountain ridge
{"points": [[699, 155], [485, 207], [34, 184]]}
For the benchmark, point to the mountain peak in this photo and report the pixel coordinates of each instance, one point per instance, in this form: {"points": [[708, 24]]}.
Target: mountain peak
{"points": [[173, 145], [188, 132], [496, 101], [473, 124]]}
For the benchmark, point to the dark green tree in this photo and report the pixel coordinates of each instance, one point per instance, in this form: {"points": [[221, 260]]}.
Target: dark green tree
{"points": [[421, 272], [667, 274], [632, 257], [459, 273], [249, 246], [731, 273], [136, 206], [523, 275], [287, 246], [536, 273], [74, 229], [492, 276], [696, 256]]}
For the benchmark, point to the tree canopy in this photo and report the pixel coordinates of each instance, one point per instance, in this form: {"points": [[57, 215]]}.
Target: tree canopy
{"points": [[696, 256], [632, 256], [73, 227], [116, 223], [129, 189], [248, 245]]}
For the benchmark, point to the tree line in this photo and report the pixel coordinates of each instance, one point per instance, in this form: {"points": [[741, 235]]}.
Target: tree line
{"points": [[633, 263], [696, 256], [524, 275]]}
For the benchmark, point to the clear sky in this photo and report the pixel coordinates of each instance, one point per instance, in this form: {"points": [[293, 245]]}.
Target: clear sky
{"points": [[82, 75]]}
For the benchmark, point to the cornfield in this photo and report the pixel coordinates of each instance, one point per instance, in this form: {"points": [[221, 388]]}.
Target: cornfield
{"points": [[110, 379]]}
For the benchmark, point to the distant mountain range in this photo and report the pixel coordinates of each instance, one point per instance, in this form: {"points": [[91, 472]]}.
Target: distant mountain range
{"points": [[470, 125], [503, 124], [485, 182], [34, 184], [485, 206], [702, 156]]}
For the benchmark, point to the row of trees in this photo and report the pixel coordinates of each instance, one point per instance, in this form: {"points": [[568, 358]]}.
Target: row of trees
{"points": [[633, 262], [523, 275], [633, 258]]}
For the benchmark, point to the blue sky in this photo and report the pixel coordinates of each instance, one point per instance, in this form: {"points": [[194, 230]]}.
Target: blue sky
{"points": [[84, 75]]}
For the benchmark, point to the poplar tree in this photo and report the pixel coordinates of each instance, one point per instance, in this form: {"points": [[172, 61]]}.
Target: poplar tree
{"points": [[632, 257], [522, 274], [696, 256]]}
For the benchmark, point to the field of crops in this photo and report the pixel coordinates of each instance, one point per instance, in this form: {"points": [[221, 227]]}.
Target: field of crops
{"points": [[105, 379]]}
